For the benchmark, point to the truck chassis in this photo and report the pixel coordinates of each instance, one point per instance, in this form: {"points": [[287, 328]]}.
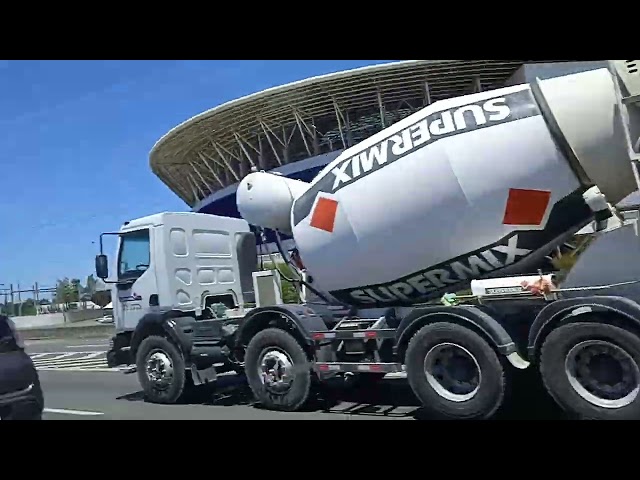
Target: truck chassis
{"points": [[459, 360]]}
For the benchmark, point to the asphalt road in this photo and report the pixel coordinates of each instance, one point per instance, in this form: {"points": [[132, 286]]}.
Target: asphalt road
{"points": [[78, 385]]}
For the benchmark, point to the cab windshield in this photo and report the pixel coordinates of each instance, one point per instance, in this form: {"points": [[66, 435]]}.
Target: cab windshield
{"points": [[134, 256]]}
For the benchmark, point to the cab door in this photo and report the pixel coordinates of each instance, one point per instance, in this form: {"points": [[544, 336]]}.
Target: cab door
{"points": [[136, 277]]}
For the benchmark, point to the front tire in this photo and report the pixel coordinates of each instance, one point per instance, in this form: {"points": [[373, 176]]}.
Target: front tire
{"points": [[161, 370], [592, 371], [269, 361], [455, 373]]}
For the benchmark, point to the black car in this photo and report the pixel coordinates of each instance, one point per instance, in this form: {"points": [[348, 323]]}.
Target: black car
{"points": [[20, 393]]}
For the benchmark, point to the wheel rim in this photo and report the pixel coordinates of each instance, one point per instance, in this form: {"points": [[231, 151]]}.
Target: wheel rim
{"points": [[453, 372], [603, 374], [275, 370], [159, 369]]}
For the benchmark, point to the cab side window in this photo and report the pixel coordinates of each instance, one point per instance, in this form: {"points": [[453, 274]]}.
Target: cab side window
{"points": [[135, 255]]}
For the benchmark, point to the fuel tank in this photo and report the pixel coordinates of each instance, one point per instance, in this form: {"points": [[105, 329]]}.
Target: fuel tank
{"points": [[471, 187]]}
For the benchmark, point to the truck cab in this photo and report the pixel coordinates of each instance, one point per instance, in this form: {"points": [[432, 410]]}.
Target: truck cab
{"points": [[185, 278], [182, 262]]}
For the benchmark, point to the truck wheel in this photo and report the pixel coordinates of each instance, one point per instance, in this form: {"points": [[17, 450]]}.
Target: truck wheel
{"points": [[269, 361], [592, 371], [161, 370], [454, 372]]}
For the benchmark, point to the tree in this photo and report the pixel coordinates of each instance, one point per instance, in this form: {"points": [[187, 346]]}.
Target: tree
{"points": [[68, 291], [287, 289], [90, 287], [61, 286]]}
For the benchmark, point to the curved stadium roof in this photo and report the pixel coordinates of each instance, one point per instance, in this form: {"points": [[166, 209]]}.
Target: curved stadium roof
{"points": [[285, 124]]}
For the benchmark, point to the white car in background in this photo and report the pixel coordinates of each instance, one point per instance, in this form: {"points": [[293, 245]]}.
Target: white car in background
{"points": [[108, 314]]}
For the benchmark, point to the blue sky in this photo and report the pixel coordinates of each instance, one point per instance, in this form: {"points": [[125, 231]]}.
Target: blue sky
{"points": [[75, 142]]}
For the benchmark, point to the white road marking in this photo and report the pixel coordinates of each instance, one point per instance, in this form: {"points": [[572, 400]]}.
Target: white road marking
{"points": [[87, 352], [88, 346], [72, 361], [72, 412], [77, 369], [396, 375], [60, 355]]}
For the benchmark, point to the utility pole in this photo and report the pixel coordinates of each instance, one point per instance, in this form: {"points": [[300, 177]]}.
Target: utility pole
{"points": [[36, 298], [19, 302]]}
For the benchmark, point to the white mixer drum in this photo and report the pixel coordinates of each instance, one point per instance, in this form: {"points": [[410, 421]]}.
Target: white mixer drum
{"points": [[465, 188]]}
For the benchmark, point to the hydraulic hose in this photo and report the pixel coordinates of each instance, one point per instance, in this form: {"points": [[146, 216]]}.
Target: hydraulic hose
{"points": [[293, 267]]}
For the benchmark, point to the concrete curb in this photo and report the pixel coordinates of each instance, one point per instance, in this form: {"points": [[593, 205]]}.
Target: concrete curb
{"points": [[90, 331]]}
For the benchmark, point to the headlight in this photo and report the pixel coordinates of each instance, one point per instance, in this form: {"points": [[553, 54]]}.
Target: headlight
{"points": [[16, 334]]}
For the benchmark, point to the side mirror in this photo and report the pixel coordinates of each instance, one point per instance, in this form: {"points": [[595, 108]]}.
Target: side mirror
{"points": [[102, 267]]}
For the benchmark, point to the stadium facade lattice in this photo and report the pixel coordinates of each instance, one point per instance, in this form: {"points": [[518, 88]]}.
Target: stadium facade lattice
{"points": [[296, 129]]}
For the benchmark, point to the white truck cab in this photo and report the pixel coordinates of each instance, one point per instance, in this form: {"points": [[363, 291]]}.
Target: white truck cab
{"points": [[182, 262]]}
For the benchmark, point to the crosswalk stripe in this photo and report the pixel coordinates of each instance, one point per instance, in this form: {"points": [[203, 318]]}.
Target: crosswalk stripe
{"points": [[37, 355], [86, 358], [72, 361]]}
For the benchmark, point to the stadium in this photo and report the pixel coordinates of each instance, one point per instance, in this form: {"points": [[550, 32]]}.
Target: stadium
{"points": [[296, 129]]}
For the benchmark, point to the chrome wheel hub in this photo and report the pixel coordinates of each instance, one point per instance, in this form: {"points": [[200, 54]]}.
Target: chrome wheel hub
{"points": [[275, 370], [453, 372], [159, 369], [603, 374]]}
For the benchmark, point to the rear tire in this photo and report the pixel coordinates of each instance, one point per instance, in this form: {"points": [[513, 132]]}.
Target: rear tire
{"points": [[269, 357], [161, 370], [455, 373], [592, 371]]}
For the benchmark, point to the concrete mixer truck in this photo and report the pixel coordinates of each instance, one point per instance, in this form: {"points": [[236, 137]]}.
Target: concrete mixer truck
{"points": [[471, 192]]}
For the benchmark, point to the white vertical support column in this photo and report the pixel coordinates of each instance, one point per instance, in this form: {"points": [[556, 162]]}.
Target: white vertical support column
{"points": [[211, 169], [222, 153], [261, 159], [244, 143], [299, 123], [246, 162], [178, 185], [201, 177], [194, 192], [383, 119], [340, 126], [314, 137], [347, 128], [427, 94], [267, 130], [197, 186], [477, 86], [285, 146]]}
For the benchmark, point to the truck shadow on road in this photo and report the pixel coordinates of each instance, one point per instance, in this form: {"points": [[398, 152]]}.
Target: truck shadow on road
{"points": [[391, 398]]}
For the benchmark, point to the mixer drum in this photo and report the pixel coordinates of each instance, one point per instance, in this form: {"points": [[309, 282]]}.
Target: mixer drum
{"points": [[470, 187]]}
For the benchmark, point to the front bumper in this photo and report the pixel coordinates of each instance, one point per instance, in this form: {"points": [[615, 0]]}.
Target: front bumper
{"points": [[119, 352], [116, 358]]}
